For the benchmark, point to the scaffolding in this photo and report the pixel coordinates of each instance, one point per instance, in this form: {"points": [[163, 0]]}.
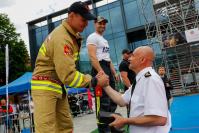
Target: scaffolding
{"points": [[166, 24]]}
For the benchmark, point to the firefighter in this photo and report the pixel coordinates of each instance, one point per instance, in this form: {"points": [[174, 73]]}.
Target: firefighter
{"points": [[55, 69]]}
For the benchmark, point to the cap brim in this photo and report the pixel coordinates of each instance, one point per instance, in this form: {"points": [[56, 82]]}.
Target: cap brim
{"points": [[89, 16], [104, 20]]}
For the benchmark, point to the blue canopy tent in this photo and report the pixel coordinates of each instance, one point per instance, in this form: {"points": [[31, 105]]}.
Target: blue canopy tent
{"points": [[76, 90], [23, 84]]}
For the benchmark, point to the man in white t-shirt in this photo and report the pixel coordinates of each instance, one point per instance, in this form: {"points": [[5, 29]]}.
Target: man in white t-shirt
{"points": [[98, 50], [148, 105]]}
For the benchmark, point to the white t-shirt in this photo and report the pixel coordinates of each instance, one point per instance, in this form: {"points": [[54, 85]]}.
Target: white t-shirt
{"points": [[102, 46], [149, 98]]}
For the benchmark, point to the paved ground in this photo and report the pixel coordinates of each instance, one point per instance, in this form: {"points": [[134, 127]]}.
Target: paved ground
{"points": [[87, 122]]}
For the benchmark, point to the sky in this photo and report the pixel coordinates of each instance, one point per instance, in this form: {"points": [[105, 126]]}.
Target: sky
{"points": [[22, 11]]}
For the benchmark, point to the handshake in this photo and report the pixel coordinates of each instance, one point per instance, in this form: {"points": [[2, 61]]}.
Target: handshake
{"points": [[100, 79]]}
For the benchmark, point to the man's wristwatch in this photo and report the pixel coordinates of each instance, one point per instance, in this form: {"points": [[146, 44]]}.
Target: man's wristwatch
{"points": [[94, 82]]}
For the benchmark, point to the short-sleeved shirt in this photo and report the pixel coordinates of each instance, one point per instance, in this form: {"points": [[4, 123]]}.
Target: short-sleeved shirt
{"points": [[148, 98], [124, 67], [102, 46]]}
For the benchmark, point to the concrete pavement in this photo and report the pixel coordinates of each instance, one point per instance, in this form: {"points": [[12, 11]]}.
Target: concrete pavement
{"points": [[87, 122]]}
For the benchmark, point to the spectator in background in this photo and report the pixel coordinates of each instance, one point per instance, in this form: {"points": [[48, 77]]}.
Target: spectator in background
{"points": [[1, 120], [13, 105], [73, 104], [3, 107], [90, 103], [167, 83], [1, 110], [4, 113], [99, 54], [15, 112], [127, 75], [31, 106]]}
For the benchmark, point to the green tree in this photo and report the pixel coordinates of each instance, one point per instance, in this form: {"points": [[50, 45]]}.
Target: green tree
{"points": [[18, 55]]}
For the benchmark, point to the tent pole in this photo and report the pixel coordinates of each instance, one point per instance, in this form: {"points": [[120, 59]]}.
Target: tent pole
{"points": [[30, 113], [7, 77]]}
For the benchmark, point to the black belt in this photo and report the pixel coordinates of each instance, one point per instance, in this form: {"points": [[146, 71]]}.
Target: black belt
{"points": [[104, 62]]}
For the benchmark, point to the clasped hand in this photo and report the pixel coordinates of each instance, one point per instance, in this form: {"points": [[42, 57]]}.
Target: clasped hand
{"points": [[102, 79]]}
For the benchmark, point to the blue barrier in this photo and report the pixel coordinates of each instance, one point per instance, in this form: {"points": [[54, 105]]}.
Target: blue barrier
{"points": [[185, 114]]}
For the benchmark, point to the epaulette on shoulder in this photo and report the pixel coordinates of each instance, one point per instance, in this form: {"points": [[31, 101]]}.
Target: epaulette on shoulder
{"points": [[148, 74]]}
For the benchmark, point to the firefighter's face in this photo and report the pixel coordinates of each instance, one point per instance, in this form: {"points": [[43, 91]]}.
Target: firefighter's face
{"points": [[78, 22]]}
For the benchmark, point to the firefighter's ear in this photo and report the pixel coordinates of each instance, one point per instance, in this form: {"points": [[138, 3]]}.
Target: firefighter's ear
{"points": [[71, 15]]}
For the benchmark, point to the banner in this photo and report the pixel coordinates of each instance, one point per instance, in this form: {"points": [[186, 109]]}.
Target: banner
{"points": [[192, 35], [158, 1]]}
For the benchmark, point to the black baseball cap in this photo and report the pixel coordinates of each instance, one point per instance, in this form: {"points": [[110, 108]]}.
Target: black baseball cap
{"points": [[82, 9], [125, 51]]}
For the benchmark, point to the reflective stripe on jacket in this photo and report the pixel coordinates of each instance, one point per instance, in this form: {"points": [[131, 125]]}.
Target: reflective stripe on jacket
{"points": [[45, 85]]}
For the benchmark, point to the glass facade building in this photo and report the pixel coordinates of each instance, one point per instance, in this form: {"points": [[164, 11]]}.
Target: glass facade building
{"points": [[124, 30]]}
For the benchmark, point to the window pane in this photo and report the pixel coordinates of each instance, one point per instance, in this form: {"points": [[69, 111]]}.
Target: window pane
{"points": [[38, 39], [145, 9], [132, 15], [41, 35], [120, 44], [112, 51], [111, 13], [57, 23], [44, 34], [90, 28], [116, 19], [157, 48], [85, 65], [84, 54]]}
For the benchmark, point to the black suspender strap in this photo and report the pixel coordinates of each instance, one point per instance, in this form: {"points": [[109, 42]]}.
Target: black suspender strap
{"points": [[129, 105]]}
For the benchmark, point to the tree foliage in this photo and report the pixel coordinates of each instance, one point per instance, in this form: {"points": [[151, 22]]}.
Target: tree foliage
{"points": [[18, 55]]}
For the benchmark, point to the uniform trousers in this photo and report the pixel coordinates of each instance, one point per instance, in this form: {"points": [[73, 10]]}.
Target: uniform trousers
{"points": [[51, 112], [106, 104]]}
